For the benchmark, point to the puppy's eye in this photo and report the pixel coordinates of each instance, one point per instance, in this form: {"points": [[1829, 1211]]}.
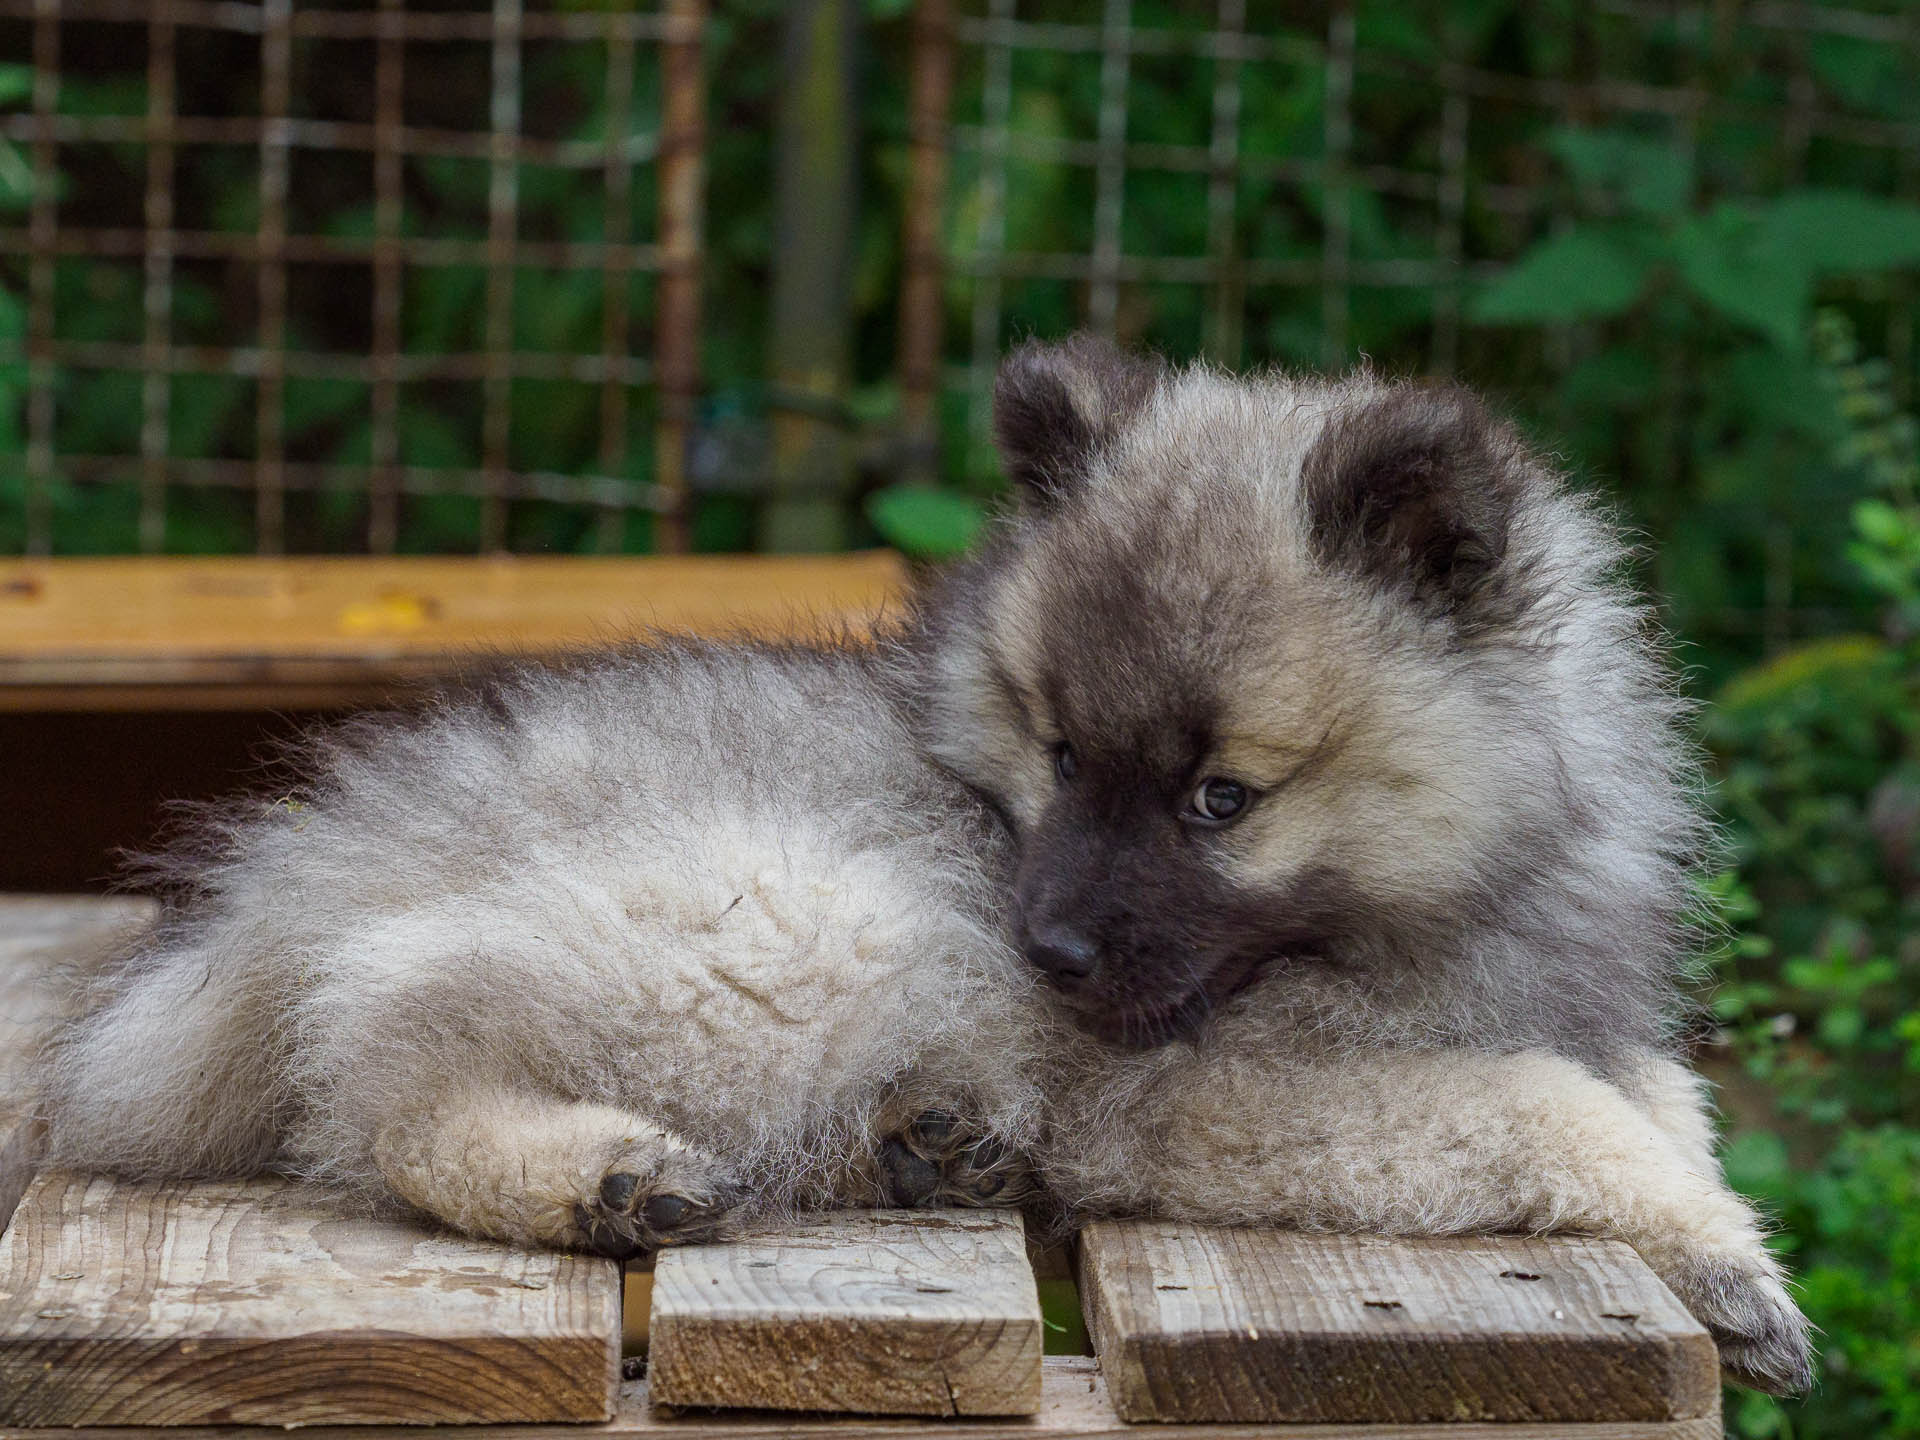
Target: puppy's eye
{"points": [[1063, 760], [1218, 800]]}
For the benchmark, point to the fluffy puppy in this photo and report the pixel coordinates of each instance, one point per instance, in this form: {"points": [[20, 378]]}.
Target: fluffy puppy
{"points": [[1352, 818], [608, 957], [1281, 820]]}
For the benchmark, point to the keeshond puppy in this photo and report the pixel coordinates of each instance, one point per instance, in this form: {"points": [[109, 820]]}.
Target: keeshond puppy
{"points": [[1284, 818]]}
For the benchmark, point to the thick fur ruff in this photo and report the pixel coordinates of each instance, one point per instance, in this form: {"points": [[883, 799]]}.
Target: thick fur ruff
{"points": [[1299, 733]]}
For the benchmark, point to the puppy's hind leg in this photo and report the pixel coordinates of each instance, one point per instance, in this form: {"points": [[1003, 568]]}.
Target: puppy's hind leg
{"points": [[542, 1170]]}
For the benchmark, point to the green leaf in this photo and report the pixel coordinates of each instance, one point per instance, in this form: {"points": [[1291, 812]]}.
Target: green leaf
{"points": [[1739, 268], [1579, 275], [932, 524], [1880, 522], [1651, 176], [1843, 230]]}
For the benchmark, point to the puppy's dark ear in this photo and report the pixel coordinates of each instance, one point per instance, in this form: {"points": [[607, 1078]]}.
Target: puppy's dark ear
{"points": [[1055, 406], [1417, 491]]}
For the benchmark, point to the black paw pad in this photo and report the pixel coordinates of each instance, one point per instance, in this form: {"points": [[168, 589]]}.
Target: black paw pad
{"points": [[617, 1191], [625, 1219], [666, 1212], [910, 1179], [940, 1159]]}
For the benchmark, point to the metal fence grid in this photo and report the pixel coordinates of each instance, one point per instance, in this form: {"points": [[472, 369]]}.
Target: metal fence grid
{"points": [[1317, 43], [1005, 62], [256, 262], [1377, 132]]}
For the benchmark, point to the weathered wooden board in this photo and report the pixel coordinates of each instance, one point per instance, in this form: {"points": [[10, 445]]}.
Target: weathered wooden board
{"points": [[39, 934], [891, 1312], [1073, 1406], [1198, 1324], [262, 1302], [165, 632]]}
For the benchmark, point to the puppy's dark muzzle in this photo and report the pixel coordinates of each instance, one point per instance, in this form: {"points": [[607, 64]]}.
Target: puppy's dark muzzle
{"points": [[1068, 958], [1076, 969]]}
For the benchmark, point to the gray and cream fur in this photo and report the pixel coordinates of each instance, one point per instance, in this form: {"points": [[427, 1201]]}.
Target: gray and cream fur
{"points": [[1282, 819]]}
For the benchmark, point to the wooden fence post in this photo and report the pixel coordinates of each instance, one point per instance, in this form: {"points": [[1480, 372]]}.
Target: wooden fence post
{"points": [[677, 344], [811, 346], [922, 270]]}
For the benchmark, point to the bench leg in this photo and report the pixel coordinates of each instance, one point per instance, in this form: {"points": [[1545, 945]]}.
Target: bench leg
{"points": [[546, 1171]]}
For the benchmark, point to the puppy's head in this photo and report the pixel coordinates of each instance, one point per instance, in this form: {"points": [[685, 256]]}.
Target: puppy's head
{"points": [[1245, 671]]}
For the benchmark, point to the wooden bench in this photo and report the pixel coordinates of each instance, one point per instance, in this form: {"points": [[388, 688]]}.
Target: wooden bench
{"points": [[249, 633], [129, 684], [261, 1303]]}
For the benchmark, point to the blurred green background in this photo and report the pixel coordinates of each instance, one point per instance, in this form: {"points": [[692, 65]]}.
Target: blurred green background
{"points": [[1690, 269]]}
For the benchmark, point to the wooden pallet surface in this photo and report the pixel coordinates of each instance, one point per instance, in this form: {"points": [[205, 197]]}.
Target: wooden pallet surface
{"points": [[885, 1312], [264, 1302], [1074, 1406], [248, 632], [1196, 1324]]}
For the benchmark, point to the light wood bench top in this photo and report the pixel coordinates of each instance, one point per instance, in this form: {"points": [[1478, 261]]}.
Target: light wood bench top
{"points": [[245, 633], [263, 1304]]}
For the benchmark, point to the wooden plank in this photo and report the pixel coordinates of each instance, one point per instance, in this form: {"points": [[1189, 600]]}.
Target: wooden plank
{"points": [[1073, 1404], [1198, 1324], [246, 631], [914, 1312], [262, 1302], [40, 934]]}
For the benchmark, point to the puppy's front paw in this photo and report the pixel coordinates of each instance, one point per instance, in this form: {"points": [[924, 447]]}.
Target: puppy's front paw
{"points": [[645, 1201], [1765, 1342], [941, 1160]]}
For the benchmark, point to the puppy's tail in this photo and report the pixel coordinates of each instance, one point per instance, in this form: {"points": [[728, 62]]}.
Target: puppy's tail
{"points": [[168, 1068]]}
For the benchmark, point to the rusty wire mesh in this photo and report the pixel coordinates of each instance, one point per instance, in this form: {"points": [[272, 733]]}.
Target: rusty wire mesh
{"points": [[1473, 208], [973, 258], [987, 259], [278, 125]]}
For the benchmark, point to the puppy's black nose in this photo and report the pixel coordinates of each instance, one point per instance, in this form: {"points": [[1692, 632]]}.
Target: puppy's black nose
{"points": [[1063, 955]]}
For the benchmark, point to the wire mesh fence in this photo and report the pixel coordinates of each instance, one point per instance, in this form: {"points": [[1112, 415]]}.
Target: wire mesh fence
{"points": [[426, 275], [1339, 176], [283, 224], [1344, 182]]}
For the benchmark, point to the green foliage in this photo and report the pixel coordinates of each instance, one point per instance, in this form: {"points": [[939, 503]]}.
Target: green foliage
{"points": [[1820, 1000], [926, 522], [1584, 274]]}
